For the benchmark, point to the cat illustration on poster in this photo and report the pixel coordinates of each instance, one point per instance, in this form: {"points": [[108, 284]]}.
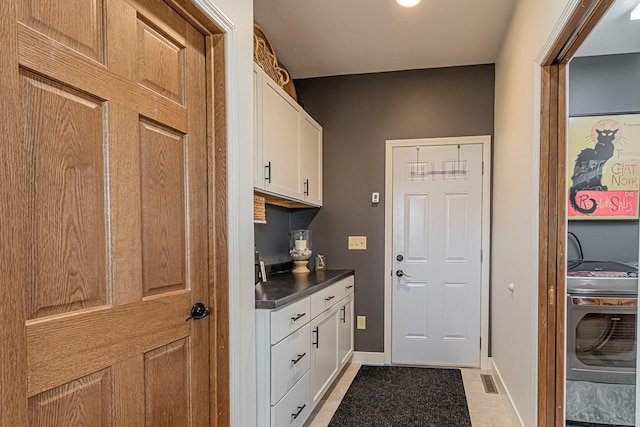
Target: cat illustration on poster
{"points": [[587, 171]]}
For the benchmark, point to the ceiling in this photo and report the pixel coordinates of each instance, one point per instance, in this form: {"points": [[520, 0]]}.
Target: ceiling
{"points": [[314, 38], [615, 33]]}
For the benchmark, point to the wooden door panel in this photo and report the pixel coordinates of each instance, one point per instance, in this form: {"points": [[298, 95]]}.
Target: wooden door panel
{"points": [[163, 208], [87, 401], [68, 347], [64, 65], [125, 206], [64, 142], [162, 62], [167, 385], [59, 21]]}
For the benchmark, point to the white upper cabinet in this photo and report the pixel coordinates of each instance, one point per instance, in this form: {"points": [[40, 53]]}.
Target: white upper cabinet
{"points": [[258, 165], [287, 145], [311, 159], [280, 145]]}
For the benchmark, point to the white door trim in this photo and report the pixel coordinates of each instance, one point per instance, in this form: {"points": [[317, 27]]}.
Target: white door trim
{"points": [[242, 383], [485, 140]]}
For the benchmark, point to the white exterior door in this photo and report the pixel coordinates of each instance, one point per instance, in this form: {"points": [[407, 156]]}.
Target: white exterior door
{"points": [[436, 246]]}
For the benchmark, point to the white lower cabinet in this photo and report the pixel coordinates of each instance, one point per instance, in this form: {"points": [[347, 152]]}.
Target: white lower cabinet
{"points": [[300, 350], [295, 406], [290, 360], [345, 331], [324, 352]]}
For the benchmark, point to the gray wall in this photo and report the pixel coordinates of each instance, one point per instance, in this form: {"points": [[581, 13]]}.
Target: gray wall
{"points": [[272, 238], [358, 113], [600, 85]]}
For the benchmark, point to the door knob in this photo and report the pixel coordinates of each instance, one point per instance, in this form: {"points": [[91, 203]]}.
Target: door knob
{"points": [[198, 311], [401, 273]]}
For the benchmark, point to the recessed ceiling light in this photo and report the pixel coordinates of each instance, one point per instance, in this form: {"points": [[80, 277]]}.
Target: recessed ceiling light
{"points": [[635, 13], [407, 3]]}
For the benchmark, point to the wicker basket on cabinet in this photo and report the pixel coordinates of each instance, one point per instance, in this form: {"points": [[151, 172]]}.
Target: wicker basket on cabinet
{"points": [[265, 57]]}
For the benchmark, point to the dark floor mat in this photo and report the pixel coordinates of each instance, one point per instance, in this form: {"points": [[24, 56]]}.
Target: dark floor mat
{"points": [[394, 396]]}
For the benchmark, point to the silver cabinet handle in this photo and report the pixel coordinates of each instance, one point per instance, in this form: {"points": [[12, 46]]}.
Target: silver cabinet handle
{"points": [[268, 168]]}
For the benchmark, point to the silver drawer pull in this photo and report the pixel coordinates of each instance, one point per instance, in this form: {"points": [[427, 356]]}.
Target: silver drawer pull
{"points": [[300, 409], [317, 332], [300, 356], [330, 298], [293, 319]]}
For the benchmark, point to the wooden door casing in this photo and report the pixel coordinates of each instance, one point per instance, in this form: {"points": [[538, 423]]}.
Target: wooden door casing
{"points": [[552, 209], [108, 244]]}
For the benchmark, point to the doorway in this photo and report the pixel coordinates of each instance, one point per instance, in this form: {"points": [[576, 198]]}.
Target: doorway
{"points": [[554, 212], [436, 234], [111, 159]]}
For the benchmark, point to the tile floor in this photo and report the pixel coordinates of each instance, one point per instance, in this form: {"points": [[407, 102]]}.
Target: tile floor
{"points": [[486, 410]]}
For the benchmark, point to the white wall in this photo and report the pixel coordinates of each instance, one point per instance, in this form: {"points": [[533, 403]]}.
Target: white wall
{"points": [[534, 25], [237, 17]]}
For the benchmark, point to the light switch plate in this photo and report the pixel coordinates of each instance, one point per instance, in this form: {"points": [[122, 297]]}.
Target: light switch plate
{"points": [[362, 322], [357, 243]]}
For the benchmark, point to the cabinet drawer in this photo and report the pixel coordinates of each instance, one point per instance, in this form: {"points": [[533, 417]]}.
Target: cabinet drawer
{"points": [[326, 298], [290, 360], [349, 285], [289, 318], [295, 407]]}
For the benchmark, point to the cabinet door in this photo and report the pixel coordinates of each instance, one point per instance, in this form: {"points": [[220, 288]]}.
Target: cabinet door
{"points": [[280, 154], [258, 163], [345, 331], [324, 352], [311, 159]]}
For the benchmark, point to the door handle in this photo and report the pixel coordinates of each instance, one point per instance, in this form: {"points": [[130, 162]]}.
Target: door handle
{"points": [[317, 332], [198, 311], [401, 273]]}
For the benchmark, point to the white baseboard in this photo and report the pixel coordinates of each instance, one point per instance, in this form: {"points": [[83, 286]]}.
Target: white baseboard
{"points": [[513, 412], [368, 358]]}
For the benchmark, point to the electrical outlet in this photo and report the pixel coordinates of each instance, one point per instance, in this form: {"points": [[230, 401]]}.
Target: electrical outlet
{"points": [[362, 322], [357, 243]]}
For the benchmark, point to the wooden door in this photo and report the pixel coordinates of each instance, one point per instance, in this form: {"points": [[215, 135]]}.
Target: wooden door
{"points": [[110, 164]]}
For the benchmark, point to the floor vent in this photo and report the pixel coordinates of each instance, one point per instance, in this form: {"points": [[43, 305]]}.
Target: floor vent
{"points": [[489, 385]]}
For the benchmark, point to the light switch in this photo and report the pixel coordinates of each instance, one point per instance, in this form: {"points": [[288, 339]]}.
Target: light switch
{"points": [[375, 197]]}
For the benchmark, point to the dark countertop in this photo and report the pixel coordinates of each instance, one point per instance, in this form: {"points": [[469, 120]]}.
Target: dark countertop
{"points": [[284, 288]]}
